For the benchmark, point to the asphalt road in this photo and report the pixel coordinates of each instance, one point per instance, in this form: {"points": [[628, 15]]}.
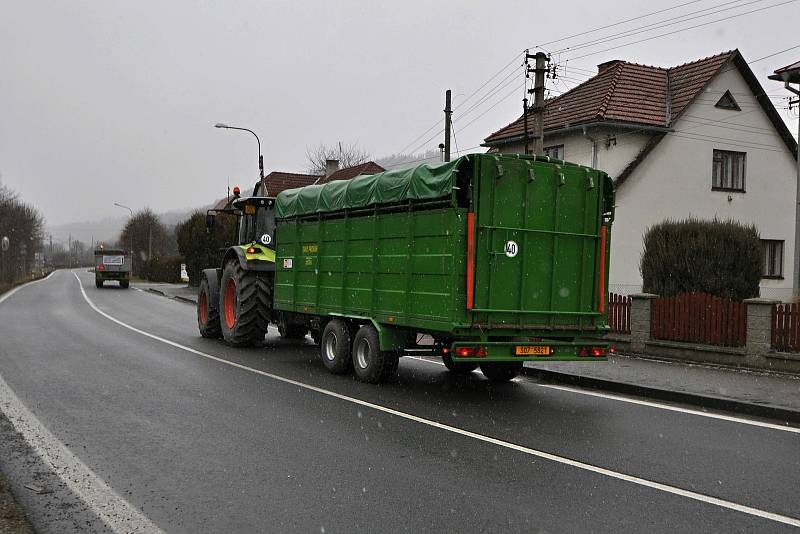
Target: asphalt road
{"points": [[273, 443]]}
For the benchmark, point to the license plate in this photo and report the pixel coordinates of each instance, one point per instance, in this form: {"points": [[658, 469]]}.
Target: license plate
{"points": [[531, 350]]}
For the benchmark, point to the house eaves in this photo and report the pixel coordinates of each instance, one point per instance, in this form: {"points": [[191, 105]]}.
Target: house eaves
{"points": [[582, 127]]}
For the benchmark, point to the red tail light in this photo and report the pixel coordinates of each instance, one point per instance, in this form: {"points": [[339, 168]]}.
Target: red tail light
{"points": [[480, 352], [465, 352], [598, 351], [584, 352], [101, 267], [445, 350]]}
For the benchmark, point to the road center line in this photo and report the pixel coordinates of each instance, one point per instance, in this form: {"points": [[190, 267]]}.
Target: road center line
{"points": [[119, 515], [651, 404], [722, 503]]}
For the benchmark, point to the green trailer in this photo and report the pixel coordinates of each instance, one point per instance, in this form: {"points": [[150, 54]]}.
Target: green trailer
{"points": [[489, 260]]}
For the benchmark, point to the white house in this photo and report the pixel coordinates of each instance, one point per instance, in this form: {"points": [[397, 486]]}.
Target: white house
{"points": [[700, 139]]}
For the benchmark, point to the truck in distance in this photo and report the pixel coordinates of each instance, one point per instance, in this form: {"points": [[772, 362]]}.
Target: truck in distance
{"points": [[112, 264]]}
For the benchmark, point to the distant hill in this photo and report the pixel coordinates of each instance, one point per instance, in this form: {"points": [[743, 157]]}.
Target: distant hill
{"points": [[109, 228]]}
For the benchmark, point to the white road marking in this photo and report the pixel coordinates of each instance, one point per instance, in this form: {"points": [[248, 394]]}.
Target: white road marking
{"points": [[119, 515], [460, 431], [652, 404]]}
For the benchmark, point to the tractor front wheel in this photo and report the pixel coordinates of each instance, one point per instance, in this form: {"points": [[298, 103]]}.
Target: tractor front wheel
{"points": [[244, 303]]}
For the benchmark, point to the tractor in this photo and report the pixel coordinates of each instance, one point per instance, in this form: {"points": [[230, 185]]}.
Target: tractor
{"points": [[235, 300]]}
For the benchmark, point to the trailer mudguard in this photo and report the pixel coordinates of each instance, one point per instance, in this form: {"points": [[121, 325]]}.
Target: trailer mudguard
{"points": [[213, 277]]}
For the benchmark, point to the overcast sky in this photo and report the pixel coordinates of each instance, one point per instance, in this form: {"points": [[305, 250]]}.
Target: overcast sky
{"points": [[104, 101]]}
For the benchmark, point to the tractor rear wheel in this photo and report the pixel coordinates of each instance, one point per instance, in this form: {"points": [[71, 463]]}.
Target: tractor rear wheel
{"points": [[244, 303], [207, 317]]}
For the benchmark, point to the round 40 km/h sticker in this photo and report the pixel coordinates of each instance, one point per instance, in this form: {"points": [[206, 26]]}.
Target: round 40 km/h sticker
{"points": [[266, 239], [511, 249]]}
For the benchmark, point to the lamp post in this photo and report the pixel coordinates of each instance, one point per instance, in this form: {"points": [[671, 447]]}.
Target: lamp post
{"points": [[131, 237], [260, 157]]}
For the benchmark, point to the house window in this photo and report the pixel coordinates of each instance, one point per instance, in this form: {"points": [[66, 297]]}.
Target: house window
{"points": [[728, 170], [728, 102], [773, 258], [555, 151]]}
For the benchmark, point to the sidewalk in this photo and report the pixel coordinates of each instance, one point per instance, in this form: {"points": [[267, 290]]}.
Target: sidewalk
{"points": [[180, 292], [755, 393]]}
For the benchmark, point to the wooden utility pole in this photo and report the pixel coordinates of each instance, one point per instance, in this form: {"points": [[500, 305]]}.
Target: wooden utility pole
{"points": [[448, 112], [538, 103]]}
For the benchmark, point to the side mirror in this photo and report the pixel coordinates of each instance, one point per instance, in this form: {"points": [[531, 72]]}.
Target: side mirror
{"points": [[209, 221]]}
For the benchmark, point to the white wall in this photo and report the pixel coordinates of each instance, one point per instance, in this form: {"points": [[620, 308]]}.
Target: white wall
{"points": [[674, 181]]}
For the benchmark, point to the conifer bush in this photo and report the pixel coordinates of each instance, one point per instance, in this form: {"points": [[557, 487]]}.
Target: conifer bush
{"points": [[722, 258]]}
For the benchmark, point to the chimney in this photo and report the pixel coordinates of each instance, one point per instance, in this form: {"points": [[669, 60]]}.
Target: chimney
{"points": [[331, 166], [603, 67]]}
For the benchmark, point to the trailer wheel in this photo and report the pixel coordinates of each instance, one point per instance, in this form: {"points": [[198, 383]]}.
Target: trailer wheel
{"points": [[370, 363], [124, 284], [244, 303], [207, 317], [98, 283], [462, 368], [501, 371], [334, 347]]}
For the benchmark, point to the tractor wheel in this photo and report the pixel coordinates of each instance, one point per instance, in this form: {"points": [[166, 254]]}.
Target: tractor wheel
{"points": [[334, 347], [98, 283], [207, 318], [244, 303], [370, 363], [461, 368], [501, 371]]}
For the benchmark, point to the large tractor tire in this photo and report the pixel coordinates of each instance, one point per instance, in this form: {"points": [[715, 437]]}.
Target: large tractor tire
{"points": [[501, 371], [244, 303], [208, 320], [370, 363]]}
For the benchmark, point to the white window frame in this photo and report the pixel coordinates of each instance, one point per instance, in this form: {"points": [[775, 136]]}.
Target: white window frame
{"points": [[727, 174]]}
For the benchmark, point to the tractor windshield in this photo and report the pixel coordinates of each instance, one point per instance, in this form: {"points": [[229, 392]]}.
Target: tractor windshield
{"points": [[258, 227]]}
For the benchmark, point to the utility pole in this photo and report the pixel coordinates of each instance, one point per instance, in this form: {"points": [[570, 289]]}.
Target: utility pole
{"points": [[448, 112], [538, 101], [150, 243]]}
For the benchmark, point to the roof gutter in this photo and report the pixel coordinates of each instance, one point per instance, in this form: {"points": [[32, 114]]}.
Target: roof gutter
{"points": [[583, 128]]}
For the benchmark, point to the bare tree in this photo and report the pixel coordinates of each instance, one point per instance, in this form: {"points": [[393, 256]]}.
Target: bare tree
{"points": [[22, 224], [144, 232], [348, 156]]}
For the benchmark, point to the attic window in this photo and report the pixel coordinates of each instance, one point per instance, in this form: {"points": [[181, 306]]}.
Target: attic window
{"points": [[727, 102]]}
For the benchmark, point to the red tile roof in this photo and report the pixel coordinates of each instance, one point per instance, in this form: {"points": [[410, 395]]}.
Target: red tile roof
{"points": [[279, 181], [625, 92]]}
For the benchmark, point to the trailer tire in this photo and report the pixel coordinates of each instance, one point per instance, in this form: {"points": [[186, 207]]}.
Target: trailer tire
{"points": [[461, 368], [244, 303], [124, 284], [500, 371], [370, 363], [98, 284], [208, 320], [334, 347]]}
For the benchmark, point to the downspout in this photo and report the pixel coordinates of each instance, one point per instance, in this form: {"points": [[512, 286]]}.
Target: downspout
{"points": [[594, 147]]}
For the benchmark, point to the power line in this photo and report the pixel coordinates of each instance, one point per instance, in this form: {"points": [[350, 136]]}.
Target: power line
{"points": [[685, 29], [713, 10], [618, 23]]}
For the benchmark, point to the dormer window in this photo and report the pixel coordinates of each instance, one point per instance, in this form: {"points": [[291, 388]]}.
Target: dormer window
{"points": [[727, 102]]}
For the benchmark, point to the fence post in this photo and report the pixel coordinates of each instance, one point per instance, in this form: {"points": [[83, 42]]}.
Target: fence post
{"points": [[759, 329], [640, 321]]}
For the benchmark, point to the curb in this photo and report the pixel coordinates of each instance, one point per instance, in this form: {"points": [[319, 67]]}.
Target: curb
{"points": [[705, 401], [184, 299]]}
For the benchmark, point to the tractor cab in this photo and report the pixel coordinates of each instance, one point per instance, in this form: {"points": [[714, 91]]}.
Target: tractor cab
{"points": [[257, 221]]}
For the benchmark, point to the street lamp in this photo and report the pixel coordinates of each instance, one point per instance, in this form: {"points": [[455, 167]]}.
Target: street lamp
{"points": [[260, 157], [130, 210]]}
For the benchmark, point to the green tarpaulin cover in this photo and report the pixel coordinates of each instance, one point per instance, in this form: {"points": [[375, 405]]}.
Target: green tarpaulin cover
{"points": [[418, 183]]}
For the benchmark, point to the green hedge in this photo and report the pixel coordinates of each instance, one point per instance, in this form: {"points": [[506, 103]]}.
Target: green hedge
{"points": [[722, 258], [203, 248], [163, 269]]}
